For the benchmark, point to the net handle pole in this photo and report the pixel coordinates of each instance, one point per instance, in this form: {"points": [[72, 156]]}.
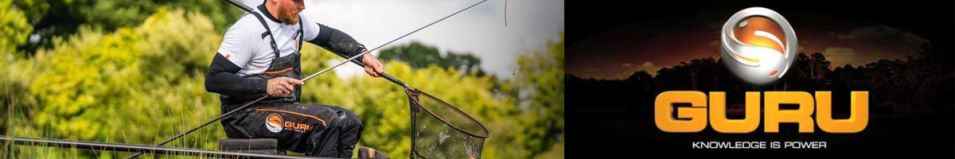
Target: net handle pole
{"points": [[382, 74], [240, 5]]}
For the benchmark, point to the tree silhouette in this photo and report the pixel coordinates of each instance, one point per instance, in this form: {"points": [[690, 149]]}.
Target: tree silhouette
{"points": [[420, 55]]}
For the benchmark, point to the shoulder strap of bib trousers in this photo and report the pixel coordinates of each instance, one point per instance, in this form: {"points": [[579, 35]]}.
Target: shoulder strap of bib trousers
{"points": [[275, 47]]}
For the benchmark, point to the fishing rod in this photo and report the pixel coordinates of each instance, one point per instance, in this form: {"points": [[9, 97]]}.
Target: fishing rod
{"points": [[352, 59], [141, 148]]}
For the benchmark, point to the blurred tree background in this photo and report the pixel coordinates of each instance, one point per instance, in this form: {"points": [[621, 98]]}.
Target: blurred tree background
{"points": [[127, 71]]}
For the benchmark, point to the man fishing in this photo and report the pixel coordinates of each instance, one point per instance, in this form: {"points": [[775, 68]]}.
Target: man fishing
{"points": [[260, 56]]}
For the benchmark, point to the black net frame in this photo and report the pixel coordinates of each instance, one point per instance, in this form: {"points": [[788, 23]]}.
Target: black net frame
{"points": [[464, 135]]}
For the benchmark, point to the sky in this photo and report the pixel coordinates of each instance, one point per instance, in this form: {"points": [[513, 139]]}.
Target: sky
{"points": [[480, 30], [649, 44]]}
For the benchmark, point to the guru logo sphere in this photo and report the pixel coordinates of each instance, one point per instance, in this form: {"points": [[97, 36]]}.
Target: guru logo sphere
{"points": [[274, 123], [758, 45]]}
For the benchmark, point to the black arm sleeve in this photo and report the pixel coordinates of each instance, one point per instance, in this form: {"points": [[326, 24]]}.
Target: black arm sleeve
{"points": [[221, 78], [337, 41]]}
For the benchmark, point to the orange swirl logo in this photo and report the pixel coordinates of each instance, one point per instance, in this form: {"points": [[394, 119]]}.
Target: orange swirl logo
{"points": [[759, 31], [758, 45], [274, 123]]}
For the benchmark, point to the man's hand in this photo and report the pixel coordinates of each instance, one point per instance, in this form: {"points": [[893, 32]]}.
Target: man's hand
{"points": [[372, 66], [281, 86]]}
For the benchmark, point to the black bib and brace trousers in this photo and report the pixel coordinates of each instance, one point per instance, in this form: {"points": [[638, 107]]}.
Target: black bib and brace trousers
{"points": [[316, 130]]}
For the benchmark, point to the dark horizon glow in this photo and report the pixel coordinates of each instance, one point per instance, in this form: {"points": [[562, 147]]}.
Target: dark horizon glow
{"points": [[648, 46]]}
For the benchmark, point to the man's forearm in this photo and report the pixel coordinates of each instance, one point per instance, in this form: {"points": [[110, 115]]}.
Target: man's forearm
{"points": [[222, 78], [338, 42]]}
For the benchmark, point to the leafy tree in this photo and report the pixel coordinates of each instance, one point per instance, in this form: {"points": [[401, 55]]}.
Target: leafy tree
{"points": [[135, 85], [52, 18], [419, 56], [539, 86], [14, 29]]}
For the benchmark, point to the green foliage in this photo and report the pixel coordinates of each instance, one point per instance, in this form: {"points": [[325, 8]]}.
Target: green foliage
{"points": [[419, 56], [539, 86], [32, 8], [60, 18], [136, 85], [14, 29]]}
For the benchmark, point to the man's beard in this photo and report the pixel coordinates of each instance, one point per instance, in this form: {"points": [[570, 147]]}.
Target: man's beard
{"points": [[287, 16]]}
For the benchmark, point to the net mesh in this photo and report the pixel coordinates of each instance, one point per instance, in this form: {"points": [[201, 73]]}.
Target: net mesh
{"points": [[439, 130]]}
